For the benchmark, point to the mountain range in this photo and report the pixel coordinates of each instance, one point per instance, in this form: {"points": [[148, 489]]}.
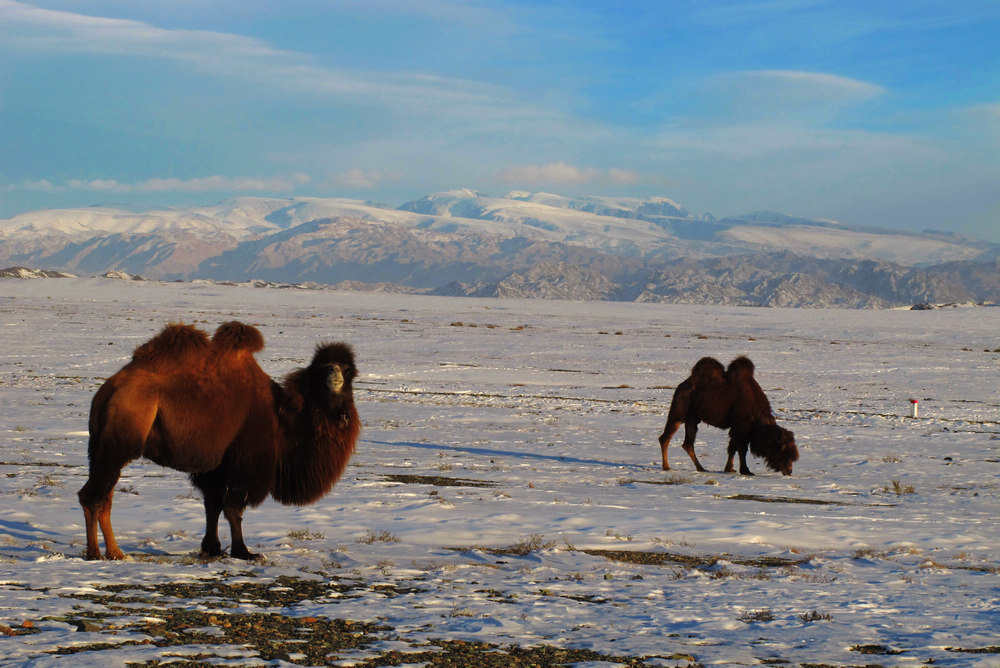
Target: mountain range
{"points": [[463, 242]]}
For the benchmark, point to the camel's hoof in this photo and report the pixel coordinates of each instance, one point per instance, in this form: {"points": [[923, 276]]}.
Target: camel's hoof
{"points": [[211, 549], [240, 551]]}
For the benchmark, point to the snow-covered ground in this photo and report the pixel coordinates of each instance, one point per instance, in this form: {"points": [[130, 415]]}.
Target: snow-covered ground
{"points": [[884, 540]]}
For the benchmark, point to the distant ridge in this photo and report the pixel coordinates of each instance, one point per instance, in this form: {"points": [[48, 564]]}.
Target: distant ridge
{"points": [[524, 244]]}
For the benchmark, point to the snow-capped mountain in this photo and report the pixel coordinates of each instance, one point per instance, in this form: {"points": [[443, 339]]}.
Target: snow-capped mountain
{"points": [[528, 244]]}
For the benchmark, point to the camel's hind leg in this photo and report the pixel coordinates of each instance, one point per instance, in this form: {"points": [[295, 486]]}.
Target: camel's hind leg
{"points": [[690, 431], [676, 416], [668, 432], [95, 497], [120, 423]]}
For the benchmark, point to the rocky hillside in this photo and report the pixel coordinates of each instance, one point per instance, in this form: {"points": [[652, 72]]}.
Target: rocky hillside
{"points": [[521, 245]]}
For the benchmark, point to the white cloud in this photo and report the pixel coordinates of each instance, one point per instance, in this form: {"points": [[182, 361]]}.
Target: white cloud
{"points": [[170, 184], [786, 96], [274, 183], [983, 120], [812, 86], [563, 173], [28, 29], [622, 177], [42, 185], [361, 179]]}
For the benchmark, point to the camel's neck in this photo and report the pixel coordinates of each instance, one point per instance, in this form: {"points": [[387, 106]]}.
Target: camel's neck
{"points": [[314, 452]]}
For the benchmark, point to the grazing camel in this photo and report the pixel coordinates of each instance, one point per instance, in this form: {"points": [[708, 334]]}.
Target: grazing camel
{"points": [[729, 398], [202, 405]]}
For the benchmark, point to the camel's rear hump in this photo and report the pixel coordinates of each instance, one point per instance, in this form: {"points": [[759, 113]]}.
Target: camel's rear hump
{"points": [[740, 369], [238, 336]]}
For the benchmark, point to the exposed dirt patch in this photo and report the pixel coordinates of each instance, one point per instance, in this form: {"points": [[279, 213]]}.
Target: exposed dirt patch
{"points": [[642, 557], [673, 480], [280, 593], [692, 561], [881, 650], [992, 649], [283, 592], [271, 636], [437, 480], [784, 499], [42, 464], [461, 654]]}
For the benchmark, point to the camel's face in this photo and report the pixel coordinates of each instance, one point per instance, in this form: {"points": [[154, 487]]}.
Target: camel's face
{"points": [[332, 371], [335, 378], [785, 443], [777, 446]]}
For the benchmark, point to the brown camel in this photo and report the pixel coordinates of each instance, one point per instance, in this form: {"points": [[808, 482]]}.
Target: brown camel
{"points": [[729, 398], [205, 407]]}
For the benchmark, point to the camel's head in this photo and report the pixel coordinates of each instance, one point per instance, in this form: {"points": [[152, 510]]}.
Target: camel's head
{"points": [[776, 445], [332, 371]]}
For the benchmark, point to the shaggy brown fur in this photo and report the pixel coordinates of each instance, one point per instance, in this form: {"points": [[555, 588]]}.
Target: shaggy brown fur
{"points": [[729, 399], [204, 406]]}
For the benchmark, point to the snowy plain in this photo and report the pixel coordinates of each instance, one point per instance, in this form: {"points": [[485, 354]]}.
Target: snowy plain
{"points": [[884, 540]]}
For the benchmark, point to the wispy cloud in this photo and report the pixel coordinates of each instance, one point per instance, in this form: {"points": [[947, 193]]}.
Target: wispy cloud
{"points": [[792, 85], [768, 96], [168, 184], [563, 173], [360, 179], [32, 29], [983, 119]]}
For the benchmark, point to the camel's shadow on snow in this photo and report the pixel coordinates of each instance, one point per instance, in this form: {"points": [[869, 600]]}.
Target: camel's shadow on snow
{"points": [[511, 454]]}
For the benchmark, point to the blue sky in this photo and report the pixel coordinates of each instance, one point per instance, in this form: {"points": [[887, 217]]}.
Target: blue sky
{"points": [[878, 112]]}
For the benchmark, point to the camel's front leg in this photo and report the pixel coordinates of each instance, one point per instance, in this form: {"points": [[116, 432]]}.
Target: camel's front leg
{"points": [[210, 544], [738, 443], [234, 514], [690, 431], [209, 484]]}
